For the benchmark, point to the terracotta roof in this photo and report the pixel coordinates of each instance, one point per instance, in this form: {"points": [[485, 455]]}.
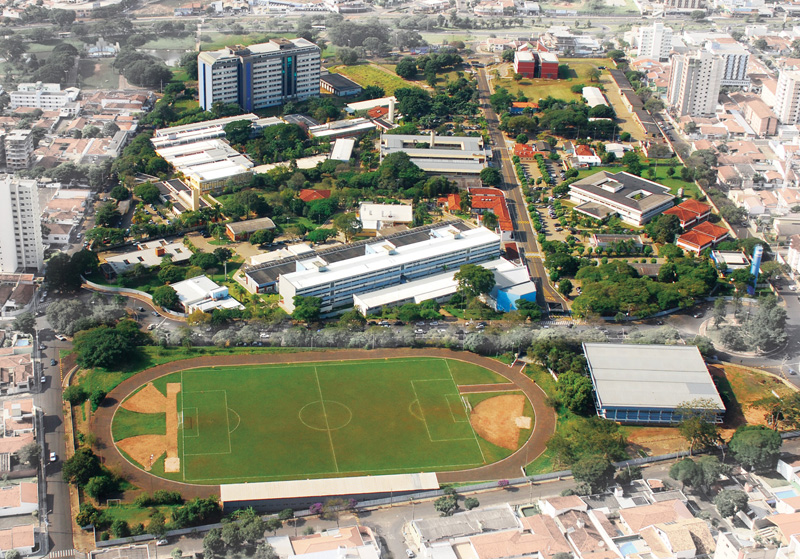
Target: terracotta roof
{"points": [[525, 105], [584, 150], [524, 150], [638, 518], [453, 201], [11, 445], [14, 496], [316, 543], [562, 503], [695, 240], [694, 206], [492, 199], [378, 112], [309, 195], [714, 231], [541, 535], [18, 537], [684, 215]]}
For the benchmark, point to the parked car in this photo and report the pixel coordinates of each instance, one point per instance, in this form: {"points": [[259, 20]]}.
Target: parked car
{"points": [[61, 338], [43, 379], [53, 457], [53, 363]]}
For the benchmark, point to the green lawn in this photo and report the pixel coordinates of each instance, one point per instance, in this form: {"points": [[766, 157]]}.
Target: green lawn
{"points": [[368, 74], [130, 423], [535, 89], [327, 419], [171, 43], [469, 373]]}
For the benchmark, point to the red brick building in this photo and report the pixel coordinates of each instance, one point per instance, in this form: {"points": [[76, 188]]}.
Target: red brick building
{"points": [[533, 64]]}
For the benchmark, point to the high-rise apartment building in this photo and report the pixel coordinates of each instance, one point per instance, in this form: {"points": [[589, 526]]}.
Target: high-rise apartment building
{"points": [[694, 83], [787, 97], [655, 41], [20, 225], [259, 76], [735, 59], [19, 149]]}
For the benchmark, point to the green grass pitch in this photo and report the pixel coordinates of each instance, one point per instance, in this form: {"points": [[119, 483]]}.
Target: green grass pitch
{"points": [[298, 421]]}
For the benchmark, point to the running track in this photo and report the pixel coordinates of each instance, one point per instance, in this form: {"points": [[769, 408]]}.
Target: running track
{"points": [[510, 467]]}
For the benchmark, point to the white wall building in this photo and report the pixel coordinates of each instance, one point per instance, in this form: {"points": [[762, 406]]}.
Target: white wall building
{"points": [[694, 83], [261, 75], [655, 41], [21, 246], [150, 254], [44, 96], [735, 60], [19, 149], [793, 256], [384, 264], [377, 216], [787, 97], [201, 293]]}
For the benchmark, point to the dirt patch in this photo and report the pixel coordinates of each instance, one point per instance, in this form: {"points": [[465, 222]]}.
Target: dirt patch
{"points": [[144, 449], [172, 464], [148, 400], [495, 419], [656, 440]]}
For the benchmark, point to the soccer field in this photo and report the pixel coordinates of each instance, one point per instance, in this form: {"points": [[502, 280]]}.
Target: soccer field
{"points": [[274, 422]]}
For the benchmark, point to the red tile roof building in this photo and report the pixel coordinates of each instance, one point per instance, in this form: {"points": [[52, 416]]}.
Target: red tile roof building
{"points": [[690, 212], [452, 202], [309, 195], [524, 151], [493, 200], [701, 237]]}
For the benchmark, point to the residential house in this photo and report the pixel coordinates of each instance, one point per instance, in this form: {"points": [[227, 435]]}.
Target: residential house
{"points": [[636, 519], [701, 237], [20, 499], [792, 260], [308, 195], [22, 538], [16, 371], [586, 156], [690, 212]]}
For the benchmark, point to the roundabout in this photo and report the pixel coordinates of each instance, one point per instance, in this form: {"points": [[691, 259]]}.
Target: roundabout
{"points": [[270, 417]]}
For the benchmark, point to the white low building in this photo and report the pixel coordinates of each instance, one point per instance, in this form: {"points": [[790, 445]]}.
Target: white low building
{"points": [[634, 199], [594, 96], [202, 294], [150, 254], [375, 217], [44, 96]]}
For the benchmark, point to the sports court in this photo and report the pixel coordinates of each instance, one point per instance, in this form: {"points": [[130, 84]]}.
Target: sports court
{"points": [[326, 419]]}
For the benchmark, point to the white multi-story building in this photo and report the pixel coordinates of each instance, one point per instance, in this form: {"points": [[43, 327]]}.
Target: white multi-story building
{"points": [[258, 76], [21, 246], [19, 149], [787, 97], [694, 83], [384, 264], [735, 59], [44, 96], [655, 41]]}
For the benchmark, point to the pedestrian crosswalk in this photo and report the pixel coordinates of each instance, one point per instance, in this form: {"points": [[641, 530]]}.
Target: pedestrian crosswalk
{"points": [[65, 553]]}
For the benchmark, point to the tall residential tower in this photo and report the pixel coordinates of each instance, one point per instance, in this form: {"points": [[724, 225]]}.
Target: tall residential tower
{"points": [[655, 41], [695, 82], [259, 76], [787, 97], [21, 245]]}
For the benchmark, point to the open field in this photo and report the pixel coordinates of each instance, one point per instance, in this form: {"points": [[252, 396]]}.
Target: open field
{"points": [[371, 74], [535, 89], [98, 73], [272, 422]]}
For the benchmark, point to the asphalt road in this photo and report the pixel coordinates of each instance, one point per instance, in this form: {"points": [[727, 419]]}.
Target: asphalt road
{"points": [[523, 230]]}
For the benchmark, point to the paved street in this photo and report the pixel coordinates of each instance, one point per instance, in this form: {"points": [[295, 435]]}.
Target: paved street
{"points": [[523, 230]]}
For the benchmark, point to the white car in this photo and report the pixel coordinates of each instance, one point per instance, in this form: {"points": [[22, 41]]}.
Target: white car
{"points": [[53, 457], [61, 338], [410, 554]]}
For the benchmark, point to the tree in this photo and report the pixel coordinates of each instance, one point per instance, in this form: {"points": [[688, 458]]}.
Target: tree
{"points": [[238, 132], [97, 398], [760, 44], [157, 527], [25, 322], [148, 193], [616, 55], [730, 501], [491, 176], [446, 505], [720, 311], [766, 328], [710, 471], [565, 287], [30, 454], [99, 486], [108, 347], [120, 192], [320, 235], [474, 280], [593, 74], [697, 423], [522, 139], [13, 554], [82, 467], [75, 395], [286, 514], [575, 392], [120, 529], [347, 56], [471, 503], [489, 220], [663, 228], [262, 237], [204, 260], [348, 224], [306, 309], [406, 68], [687, 472], [596, 472], [756, 447], [106, 214], [654, 105], [166, 297]]}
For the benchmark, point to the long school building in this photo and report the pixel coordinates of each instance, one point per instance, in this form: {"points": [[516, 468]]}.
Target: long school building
{"points": [[258, 76], [383, 264]]}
